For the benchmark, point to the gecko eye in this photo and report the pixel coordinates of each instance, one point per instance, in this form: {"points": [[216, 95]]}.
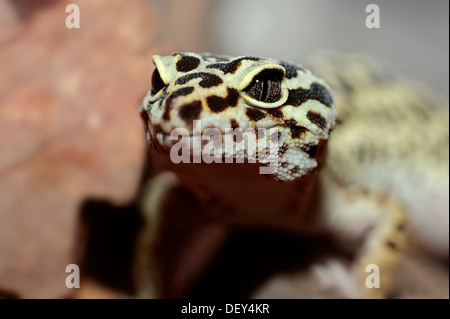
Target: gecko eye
{"points": [[266, 86], [157, 83]]}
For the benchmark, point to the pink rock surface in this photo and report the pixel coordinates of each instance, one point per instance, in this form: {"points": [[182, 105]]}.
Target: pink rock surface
{"points": [[69, 127]]}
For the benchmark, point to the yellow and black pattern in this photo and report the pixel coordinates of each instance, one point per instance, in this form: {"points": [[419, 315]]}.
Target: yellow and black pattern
{"points": [[243, 92]]}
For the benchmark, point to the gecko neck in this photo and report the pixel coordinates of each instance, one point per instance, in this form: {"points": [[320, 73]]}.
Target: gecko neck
{"points": [[237, 194]]}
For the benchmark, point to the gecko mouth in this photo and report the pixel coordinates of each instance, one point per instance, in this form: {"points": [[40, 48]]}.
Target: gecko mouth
{"points": [[274, 133], [285, 152]]}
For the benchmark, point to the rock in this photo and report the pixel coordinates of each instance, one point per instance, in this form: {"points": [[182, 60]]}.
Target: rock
{"points": [[69, 128]]}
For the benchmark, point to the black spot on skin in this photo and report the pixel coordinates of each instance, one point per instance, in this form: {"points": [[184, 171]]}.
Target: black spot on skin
{"points": [[218, 104], [208, 79], [294, 170], [275, 113], [191, 111], [180, 92], [310, 150], [157, 128], [232, 66], [187, 63], [316, 92], [298, 131], [317, 119], [392, 245], [144, 116], [254, 114], [163, 97], [291, 70], [290, 122], [282, 149], [234, 124], [232, 97]]}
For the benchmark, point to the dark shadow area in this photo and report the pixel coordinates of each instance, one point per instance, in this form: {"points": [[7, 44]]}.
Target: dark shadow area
{"points": [[26, 8], [108, 244], [251, 256], [6, 294]]}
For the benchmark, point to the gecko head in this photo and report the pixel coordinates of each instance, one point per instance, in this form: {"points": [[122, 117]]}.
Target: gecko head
{"points": [[243, 93]]}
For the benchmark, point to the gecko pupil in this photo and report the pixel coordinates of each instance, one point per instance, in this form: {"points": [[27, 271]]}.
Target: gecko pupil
{"points": [[266, 86], [157, 82]]}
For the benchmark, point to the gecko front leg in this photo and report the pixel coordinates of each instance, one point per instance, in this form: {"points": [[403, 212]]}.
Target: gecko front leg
{"points": [[374, 219], [177, 242]]}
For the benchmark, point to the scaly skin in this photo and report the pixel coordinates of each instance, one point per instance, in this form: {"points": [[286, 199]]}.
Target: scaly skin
{"points": [[358, 190]]}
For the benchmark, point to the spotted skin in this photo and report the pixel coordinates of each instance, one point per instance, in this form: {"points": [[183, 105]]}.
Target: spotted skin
{"points": [[220, 101], [383, 136]]}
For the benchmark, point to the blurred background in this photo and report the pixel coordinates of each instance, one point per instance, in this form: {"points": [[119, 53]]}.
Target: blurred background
{"points": [[413, 35], [70, 128]]}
